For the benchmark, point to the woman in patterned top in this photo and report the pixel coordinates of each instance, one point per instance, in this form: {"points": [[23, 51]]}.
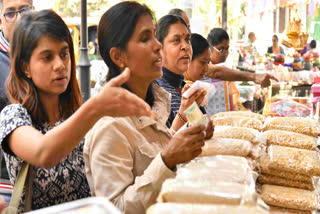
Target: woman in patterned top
{"points": [[45, 126]]}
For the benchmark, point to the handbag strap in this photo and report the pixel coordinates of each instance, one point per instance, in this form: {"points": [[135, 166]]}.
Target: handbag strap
{"points": [[21, 181], [28, 196]]}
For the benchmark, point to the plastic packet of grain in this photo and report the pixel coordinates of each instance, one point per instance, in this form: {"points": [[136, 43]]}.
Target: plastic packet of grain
{"points": [[240, 113], [257, 150], [248, 134], [281, 210], [185, 191], [217, 169], [176, 208], [226, 146], [263, 164], [294, 160], [238, 121], [275, 180], [290, 139], [294, 124], [289, 197]]}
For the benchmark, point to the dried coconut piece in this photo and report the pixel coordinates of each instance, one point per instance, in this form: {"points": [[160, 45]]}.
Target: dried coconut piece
{"points": [[263, 167], [248, 134], [280, 210], [248, 114], [176, 208], [275, 180], [225, 146], [289, 197], [294, 160], [290, 139], [238, 121], [294, 124]]}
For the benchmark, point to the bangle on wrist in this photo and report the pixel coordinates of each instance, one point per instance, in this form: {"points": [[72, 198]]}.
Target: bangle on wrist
{"points": [[173, 131], [181, 118]]}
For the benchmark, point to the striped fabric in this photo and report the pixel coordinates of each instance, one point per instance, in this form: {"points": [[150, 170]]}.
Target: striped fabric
{"points": [[175, 99], [4, 44], [171, 82]]}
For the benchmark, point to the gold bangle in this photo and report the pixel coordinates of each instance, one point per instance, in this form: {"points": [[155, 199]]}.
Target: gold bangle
{"points": [[181, 118]]}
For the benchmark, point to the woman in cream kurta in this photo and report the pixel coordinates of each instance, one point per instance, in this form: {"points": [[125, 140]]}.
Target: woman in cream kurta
{"points": [[128, 158], [125, 153]]}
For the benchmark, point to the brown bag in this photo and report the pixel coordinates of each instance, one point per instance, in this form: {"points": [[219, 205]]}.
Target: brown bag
{"points": [[21, 182]]}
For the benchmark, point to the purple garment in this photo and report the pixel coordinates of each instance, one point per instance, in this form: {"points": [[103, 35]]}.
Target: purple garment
{"points": [[305, 50]]}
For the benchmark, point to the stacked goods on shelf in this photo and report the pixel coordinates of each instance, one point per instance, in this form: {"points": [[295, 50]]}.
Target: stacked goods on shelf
{"points": [[248, 134], [290, 139], [279, 59], [221, 184], [293, 124], [290, 198], [224, 146], [297, 62], [307, 58], [315, 61], [238, 121], [240, 113], [174, 208], [236, 133], [288, 169], [281, 177]]}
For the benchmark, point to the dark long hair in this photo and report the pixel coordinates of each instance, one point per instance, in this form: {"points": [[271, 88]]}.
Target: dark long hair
{"points": [[164, 24], [21, 89], [176, 12], [199, 45], [217, 35], [115, 29]]}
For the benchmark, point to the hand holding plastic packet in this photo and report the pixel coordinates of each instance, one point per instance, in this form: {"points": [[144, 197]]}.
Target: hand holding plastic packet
{"points": [[195, 116], [200, 85]]}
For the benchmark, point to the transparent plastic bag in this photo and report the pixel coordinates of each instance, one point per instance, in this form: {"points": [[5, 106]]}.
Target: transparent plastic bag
{"points": [[294, 160], [248, 114], [238, 121], [208, 87], [257, 150], [248, 134], [218, 169], [294, 124], [264, 161], [290, 139], [289, 197], [185, 191], [175, 208], [225, 146], [195, 116], [275, 180], [281, 210]]}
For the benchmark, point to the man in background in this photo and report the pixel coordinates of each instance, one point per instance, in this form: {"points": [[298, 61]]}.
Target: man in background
{"points": [[11, 11], [181, 13]]}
